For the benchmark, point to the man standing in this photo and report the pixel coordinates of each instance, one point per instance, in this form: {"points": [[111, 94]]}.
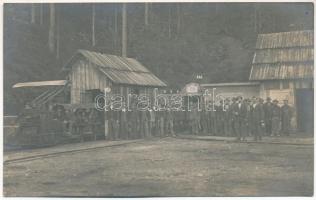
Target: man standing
{"points": [[194, 118], [276, 117], [227, 118], [286, 116], [161, 122], [152, 120], [258, 119], [220, 118], [133, 119], [205, 121], [232, 117], [248, 117], [169, 122], [144, 129], [268, 116], [239, 113], [212, 119], [124, 123]]}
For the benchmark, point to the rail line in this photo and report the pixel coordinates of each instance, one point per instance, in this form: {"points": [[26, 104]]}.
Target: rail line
{"points": [[247, 142], [55, 154]]}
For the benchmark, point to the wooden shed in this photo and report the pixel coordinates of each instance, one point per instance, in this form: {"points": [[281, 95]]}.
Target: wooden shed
{"points": [[283, 63], [89, 73]]}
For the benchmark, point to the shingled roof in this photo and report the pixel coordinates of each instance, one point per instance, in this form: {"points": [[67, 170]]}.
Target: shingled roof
{"points": [[120, 70], [286, 55]]}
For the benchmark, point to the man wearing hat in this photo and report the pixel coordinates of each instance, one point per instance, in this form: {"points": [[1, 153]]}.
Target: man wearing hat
{"points": [[268, 116], [248, 122], [286, 116], [227, 118], [257, 115], [220, 118], [232, 117], [276, 117], [240, 115]]}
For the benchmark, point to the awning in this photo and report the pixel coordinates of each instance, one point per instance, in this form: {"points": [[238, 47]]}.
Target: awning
{"points": [[41, 83]]}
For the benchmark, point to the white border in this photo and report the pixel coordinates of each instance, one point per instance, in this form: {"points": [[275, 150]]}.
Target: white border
{"points": [[135, 1]]}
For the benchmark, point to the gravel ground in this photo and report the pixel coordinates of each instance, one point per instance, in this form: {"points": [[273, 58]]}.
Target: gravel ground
{"points": [[168, 167]]}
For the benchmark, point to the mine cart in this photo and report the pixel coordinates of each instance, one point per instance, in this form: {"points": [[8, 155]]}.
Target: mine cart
{"points": [[39, 122]]}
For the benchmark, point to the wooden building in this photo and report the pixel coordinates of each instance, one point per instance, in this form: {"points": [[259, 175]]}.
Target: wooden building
{"points": [[283, 63], [89, 73], [234, 89]]}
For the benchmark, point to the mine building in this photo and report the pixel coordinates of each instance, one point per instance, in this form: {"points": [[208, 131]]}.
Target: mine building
{"points": [[91, 72], [283, 63]]}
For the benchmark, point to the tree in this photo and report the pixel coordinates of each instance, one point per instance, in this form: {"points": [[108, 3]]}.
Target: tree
{"points": [[169, 21], [178, 18], [58, 33], [51, 33], [255, 18], [41, 14], [33, 14], [124, 30], [93, 25], [115, 27], [146, 14]]}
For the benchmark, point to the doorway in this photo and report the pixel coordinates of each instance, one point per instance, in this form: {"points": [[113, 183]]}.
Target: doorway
{"points": [[305, 110]]}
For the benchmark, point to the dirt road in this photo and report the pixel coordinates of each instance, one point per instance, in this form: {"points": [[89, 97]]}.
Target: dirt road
{"points": [[168, 167]]}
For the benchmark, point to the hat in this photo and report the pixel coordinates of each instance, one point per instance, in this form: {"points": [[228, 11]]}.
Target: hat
{"points": [[275, 100], [268, 99]]}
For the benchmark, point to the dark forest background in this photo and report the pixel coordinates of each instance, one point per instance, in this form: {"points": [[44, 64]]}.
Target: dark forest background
{"points": [[175, 41]]}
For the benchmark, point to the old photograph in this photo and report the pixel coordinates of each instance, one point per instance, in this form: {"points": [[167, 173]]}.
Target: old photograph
{"points": [[158, 99]]}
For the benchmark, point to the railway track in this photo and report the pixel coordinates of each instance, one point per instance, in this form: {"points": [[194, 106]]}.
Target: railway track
{"points": [[73, 151], [233, 140]]}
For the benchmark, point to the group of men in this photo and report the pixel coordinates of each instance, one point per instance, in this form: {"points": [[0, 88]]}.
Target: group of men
{"points": [[236, 117], [244, 117], [135, 123]]}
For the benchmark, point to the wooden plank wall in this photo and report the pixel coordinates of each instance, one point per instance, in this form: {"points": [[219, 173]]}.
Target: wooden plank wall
{"points": [[85, 76]]}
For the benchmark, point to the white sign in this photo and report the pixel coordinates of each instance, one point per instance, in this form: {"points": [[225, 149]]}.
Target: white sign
{"points": [[193, 88], [107, 89]]}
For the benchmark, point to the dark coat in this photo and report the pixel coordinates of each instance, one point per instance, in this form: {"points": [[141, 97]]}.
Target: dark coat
{"points": [[257, 113], [239, 112], [268, 109], [286, 115], [276, 111]]}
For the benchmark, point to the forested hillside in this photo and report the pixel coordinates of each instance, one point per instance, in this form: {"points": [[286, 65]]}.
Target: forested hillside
{"points": [[174, 40]]}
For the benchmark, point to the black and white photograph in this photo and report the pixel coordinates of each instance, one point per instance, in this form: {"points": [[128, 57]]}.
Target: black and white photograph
{"points": [[158, 99]]}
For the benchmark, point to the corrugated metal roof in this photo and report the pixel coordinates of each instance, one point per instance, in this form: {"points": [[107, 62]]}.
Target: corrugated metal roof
{"points": [[132, 78], [281, 71], [112, 61], [285, 39], [121, 70], [288, 55]]}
